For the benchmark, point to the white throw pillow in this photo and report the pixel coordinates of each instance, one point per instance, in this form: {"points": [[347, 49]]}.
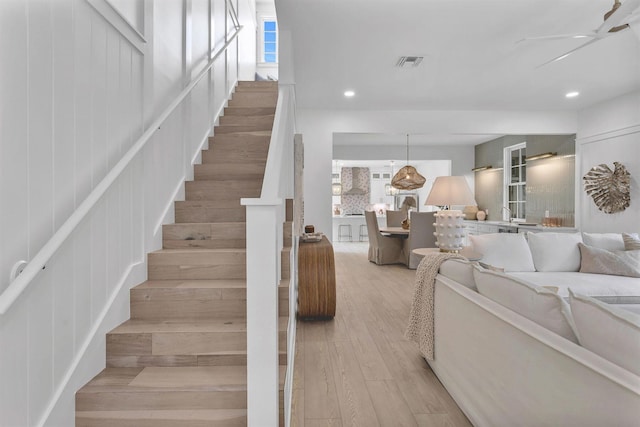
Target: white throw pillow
{"points": [[504, 250], [608, 241], [555, 251], [602, 261], [608, 331], [536, 303]]}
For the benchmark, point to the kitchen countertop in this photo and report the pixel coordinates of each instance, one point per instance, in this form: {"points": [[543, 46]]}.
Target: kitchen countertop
{"points": [[524, 225]]}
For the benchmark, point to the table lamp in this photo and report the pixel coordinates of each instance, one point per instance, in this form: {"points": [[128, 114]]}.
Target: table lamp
{"points": [[448, 191]]}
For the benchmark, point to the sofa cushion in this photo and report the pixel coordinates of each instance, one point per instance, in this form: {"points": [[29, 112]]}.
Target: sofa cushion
{"points": [[504, 250], [555, 251], [537, 304], [459, 270], [610, 289], [607, 331], [602, 261], [608, 241], [631, 241]]}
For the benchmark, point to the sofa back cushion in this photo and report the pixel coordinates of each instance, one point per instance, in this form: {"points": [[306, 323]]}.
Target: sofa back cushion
{"points": [[459, 270], [608, 331], [509, 251], [555, 251], [608, 241], [536, 303]]}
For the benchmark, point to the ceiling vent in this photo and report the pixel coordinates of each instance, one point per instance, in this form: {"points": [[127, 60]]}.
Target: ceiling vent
{"points": [[409, 61]]}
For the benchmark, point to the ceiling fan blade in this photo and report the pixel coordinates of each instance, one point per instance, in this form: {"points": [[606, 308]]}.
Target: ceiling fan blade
{"points": [[559, 36], [619, 17], [564, 55]]}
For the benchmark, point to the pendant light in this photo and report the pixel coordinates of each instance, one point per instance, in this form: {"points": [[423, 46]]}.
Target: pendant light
{"points": [[408, 177]]}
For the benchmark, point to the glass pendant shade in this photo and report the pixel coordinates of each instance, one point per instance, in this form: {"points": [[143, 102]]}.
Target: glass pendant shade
{"points": [[336, 189]]}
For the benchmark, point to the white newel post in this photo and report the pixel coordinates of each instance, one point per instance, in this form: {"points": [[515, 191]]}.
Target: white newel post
{"points": [[263, 267]]}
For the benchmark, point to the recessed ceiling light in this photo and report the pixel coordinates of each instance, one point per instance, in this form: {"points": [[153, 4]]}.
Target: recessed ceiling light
{"points": [[349, 93], [572, 94]]}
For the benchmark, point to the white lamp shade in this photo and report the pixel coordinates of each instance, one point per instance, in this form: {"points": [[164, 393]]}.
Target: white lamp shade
{"points": [[450, 190], [447, 191]]}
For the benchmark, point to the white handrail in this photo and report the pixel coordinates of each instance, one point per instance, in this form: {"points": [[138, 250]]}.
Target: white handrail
{"points": [[15, 288]]}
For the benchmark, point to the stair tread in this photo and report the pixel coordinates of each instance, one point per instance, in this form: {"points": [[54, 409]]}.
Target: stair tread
{"points": [[230, 325]]}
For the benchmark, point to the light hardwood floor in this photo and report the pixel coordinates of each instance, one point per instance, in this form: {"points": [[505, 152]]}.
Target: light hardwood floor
{"points": [[358, 369]]}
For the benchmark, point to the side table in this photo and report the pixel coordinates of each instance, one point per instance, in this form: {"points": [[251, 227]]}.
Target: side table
{"points": [[316, 280]]}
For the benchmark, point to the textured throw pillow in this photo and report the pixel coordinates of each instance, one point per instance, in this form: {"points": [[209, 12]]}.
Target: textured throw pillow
{"points": [[608, 331], [542, 306], [602, 261], [555, 251], [631, 241], [608, 241], [504, 250]]}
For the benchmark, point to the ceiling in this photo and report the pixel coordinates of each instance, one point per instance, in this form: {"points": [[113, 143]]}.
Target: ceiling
{"points": [[473, 59]]}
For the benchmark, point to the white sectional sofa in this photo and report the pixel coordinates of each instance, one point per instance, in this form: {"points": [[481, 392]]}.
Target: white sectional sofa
{"points": [[512, 353]]}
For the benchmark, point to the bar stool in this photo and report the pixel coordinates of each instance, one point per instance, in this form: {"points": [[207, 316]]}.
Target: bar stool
{"points": [[344, 230], [363, 234]]}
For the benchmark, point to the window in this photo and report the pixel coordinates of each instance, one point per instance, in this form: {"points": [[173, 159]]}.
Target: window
{"points": [[269, 48], [515, 179]]}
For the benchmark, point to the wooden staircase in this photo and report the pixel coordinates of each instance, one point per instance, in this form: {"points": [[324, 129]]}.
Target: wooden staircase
{"points": [[180, 360]]}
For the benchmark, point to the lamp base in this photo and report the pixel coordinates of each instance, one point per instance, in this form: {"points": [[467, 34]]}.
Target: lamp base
{"points": [[449, 230]]}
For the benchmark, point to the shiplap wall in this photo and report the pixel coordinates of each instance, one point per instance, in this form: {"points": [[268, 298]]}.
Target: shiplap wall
{"points": [[79, 82]]}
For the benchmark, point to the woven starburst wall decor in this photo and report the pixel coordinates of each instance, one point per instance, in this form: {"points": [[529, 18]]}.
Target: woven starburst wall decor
{"points": [[610, 189]]}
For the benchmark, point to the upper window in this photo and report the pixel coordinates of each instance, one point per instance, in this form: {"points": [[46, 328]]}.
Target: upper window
{"points": [[269, 46], [515, 179]]}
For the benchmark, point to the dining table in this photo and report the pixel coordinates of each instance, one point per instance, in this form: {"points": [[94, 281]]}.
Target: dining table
{"points": [[394, 231]]}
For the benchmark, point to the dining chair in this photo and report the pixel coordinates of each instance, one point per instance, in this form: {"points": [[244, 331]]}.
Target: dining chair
{"points": [[382, 249], [395, 218], [420, 236]]}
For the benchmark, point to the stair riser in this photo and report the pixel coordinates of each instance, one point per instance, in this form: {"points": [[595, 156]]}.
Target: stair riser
{"points": [[193, 272], [254, 99], [204, 231], [155, 421], [257, 85], [153, 399], [179, 343], [283, 301], [233, 129], [240, 154], [250, 111], [187, 304], [225, 190], [187, 214], [229, 172], [266, 120], [227, 359], [285, 263], [211, 236]]}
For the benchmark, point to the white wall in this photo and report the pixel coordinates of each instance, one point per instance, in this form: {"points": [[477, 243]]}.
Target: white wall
{"points": [[609, 132], [78, 86]]}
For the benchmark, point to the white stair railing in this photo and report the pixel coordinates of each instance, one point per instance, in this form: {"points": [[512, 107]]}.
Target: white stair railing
{"points": [[265, 218]]}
